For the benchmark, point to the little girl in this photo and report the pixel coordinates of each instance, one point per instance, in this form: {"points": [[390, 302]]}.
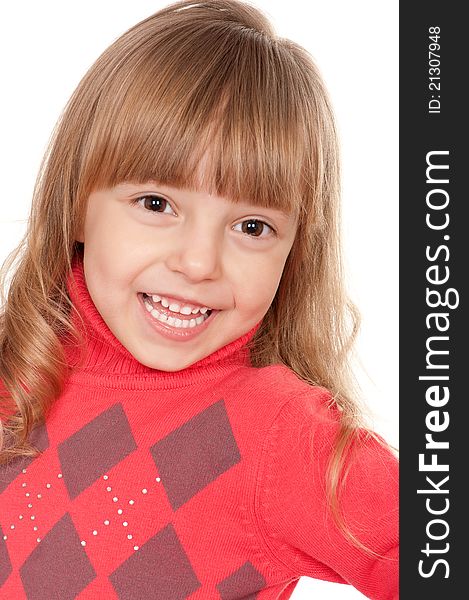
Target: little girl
{"points": [[177, 411]]}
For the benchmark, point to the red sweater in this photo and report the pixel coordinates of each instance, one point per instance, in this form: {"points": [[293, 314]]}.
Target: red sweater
{"points": [[205, 483]]}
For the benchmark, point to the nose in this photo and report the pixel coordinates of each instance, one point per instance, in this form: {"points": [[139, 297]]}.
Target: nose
{"points": [[198, 252]]}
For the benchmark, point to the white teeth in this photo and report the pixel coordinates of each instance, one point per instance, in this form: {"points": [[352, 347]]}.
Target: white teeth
{"points": [[178, 308], [178, 323], [158, 316]]}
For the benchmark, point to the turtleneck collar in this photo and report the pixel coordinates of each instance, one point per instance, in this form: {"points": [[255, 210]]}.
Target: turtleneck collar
{"points": [[106, 358]]}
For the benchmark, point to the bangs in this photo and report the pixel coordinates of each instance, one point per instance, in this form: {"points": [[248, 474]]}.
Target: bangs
{"points": [[212, 94]]}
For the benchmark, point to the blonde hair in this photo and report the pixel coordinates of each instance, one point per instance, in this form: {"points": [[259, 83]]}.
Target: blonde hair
{"points": [[195, 77]]}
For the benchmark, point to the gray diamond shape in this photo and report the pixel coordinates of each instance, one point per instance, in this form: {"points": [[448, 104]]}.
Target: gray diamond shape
{"points": [[58, 567], [39, 438], [159, 570], [5, 564], [95, 449], [196, 453], [246, 582]]}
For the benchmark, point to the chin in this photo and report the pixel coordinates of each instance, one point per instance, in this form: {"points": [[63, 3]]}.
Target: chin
{"points": [[157, 365]]}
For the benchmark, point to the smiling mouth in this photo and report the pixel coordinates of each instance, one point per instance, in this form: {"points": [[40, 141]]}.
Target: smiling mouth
{"points": [[174, 319]]}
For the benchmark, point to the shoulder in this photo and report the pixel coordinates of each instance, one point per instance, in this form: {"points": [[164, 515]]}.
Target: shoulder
{"points": [[284, 381], [280, 396]]}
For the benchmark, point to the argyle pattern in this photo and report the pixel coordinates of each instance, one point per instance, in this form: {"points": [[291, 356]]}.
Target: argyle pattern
{"points": [[187, 460]]}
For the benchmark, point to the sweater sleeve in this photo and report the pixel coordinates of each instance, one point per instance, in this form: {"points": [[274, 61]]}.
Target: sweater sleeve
{"points": [[293, 514]]}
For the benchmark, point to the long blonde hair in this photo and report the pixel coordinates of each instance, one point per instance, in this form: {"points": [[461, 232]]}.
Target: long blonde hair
{"points": [[195, 76]]}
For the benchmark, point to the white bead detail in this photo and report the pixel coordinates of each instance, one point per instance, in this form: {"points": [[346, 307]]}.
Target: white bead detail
{"points": [[35, 528], [83, 543], [106, 522], [24, 470], [39, 496], [21, 516], [30, 505], [108, 489], [27, 494], [158, 479], [32, 517], [105, 477], [129, 537], [119, 512], [115, 499], [23, 485], [144, 491], [5, 537], [59, 475], [135, 547], [131, 501], [95, 532], [38, 539], [125, 523], [48, 485], [12, 526]]}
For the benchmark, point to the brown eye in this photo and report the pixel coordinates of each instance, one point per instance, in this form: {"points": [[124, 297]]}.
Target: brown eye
{"points": [[153, 203], [255, 228]]}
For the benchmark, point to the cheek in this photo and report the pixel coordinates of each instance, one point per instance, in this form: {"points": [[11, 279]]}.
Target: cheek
{"points": [[257, 283], [115, 246]]}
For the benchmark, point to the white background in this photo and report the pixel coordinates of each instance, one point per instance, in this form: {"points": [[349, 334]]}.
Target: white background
{"points": [[46, 47]]}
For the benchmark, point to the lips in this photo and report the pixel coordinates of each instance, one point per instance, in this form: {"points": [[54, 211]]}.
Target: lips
{"points": [[174, 332], [169, 313]]}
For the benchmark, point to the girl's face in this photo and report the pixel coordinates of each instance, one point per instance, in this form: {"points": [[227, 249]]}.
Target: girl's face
{"points": [[183, 245]]}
